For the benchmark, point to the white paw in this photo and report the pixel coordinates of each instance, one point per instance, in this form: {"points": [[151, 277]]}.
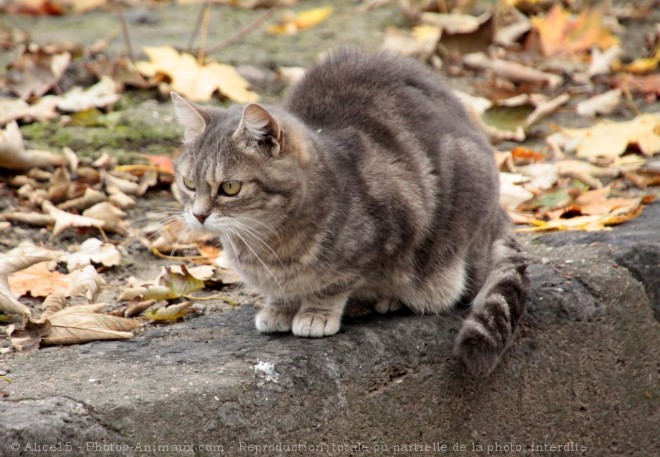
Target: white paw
{"points": [[271, 320], [315, 325], [387, 305]]}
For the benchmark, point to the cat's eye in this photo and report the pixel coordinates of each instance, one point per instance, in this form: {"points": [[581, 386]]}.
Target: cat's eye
{"points": [[231, 187], [189, 183]]}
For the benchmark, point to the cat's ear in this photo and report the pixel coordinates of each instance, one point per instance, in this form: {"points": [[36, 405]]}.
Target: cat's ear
{"points": [[189, 116], [258, 125]]}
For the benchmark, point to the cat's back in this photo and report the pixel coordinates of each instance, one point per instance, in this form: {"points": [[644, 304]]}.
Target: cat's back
{"points": [[351, 88]]}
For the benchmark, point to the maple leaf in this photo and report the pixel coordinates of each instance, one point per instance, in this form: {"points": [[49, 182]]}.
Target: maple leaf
{"points": [[196, 81], [39, 281], [611, 139], [561, 33]]}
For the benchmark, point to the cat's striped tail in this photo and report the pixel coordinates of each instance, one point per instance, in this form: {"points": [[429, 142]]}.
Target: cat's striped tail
{"points": [[496, 310]]}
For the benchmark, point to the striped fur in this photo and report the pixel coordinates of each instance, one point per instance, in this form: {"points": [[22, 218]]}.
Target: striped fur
{"points": [[369, 182]]}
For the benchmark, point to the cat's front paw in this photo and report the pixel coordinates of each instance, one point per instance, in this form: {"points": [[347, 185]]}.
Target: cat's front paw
{"points": [[273, 320], [387, 305], [315, 325]]}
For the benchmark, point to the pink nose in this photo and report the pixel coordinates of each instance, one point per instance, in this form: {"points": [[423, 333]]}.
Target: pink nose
{"points": [[201, 217]]}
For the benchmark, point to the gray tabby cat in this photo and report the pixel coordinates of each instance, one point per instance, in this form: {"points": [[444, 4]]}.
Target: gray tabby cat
{"points": [[369, 182]]}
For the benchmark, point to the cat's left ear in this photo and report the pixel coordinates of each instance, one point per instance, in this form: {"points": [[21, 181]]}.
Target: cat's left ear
{"points": [[189, 116], [259, 125]]}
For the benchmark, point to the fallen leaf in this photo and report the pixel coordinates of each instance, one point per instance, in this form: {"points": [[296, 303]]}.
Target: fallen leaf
{"points": [[14, 156], [71, 327], [52, 304], [38, 281], [38, 219], [9, 265], [169, 313], [17, 109], [511, 193], [60, 186], [643, 65], [611, 139], [29, 337], [90, 198], [420, 42], [512, 71], [137, 308], [92, 250], [195, 81], [604, 103], [86, 282], [100, 95], [560, 33], [294, 23], [645, 85], [602, 62], [64, 220], [35, 72], [109, 214]]}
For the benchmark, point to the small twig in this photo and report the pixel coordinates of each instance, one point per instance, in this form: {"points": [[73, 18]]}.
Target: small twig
{"points": [[251, 27], [198, 24], [124, 32], [205, 33], [628, 97]]}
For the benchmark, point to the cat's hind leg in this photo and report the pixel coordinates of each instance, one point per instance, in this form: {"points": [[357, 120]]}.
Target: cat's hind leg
{"points": [[387, 305], [496, 311], [319, 317]]}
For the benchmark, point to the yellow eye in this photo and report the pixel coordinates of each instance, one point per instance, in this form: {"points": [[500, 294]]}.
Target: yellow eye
{"points": [[189, 183], [231, 187]]}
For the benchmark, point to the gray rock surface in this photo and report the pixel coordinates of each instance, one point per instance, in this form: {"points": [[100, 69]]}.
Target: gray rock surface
{"points": [[583, 374]]}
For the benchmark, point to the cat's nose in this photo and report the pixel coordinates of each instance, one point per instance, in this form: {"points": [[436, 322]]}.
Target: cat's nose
{"points": [[201, 217]]}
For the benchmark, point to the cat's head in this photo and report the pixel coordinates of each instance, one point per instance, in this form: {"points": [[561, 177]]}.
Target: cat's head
{"points": [[239, 165]]}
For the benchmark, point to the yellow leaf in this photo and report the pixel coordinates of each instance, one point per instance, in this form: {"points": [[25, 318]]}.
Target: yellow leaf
{"points": [[195, 81], [645, 65], [612, 139], [293, 24], [169, 313]]}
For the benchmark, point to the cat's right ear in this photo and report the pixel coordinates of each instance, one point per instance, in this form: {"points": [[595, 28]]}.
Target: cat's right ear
{"points": [[189, 116]]}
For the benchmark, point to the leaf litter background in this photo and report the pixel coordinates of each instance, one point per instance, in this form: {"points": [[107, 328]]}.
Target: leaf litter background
{"points": [[91, 244]]}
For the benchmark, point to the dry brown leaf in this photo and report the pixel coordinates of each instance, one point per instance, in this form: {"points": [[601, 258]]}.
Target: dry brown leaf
{"points": [[9, 265], [114, 184], [100, 95], [35, 72], [52, 304], [121, 200], [109, 214], [38, 219], [135, 309], [197, 82], [86, 282], [71, 327], [64, 220], [421, 42], [29, 337], [645, 85], [90, 198], [39, 281], [14, 156], [17, 109], [603, 103], [60, 186], [512, 71], [92, 250]]}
